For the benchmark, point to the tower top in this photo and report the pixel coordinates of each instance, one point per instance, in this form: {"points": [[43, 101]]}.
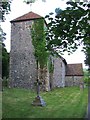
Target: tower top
{"points": [[26, 17]]}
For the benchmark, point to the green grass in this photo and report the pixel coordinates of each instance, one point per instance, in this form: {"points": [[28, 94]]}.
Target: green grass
{"points": [[68, 102], [0, 105]]}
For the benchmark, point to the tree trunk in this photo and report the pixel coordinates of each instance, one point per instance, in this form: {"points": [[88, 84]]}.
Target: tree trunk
{"points": [[43, 76]]}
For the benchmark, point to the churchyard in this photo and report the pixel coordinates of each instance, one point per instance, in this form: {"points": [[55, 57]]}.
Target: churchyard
{"points": [[30, 60], [67, 102]]}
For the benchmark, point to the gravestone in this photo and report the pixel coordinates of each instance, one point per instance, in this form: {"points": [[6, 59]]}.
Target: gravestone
{"points": [[81, 86]]}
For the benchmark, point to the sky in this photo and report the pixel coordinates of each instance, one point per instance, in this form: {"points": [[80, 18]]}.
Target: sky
{"points": [[42, 8]]}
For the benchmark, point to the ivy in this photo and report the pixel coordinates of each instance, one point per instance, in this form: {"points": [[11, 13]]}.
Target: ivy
{"points": [[50, 66], [39, 42]]}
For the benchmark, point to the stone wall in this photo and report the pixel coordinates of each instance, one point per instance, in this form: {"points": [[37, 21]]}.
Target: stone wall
{"points": [[63, 73], [23, 67], [23, 71], [73, 80], [58, 73]]}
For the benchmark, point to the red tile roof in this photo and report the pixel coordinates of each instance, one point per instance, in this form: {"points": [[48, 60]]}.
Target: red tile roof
{"points": [[28, 16], [74, 69]]}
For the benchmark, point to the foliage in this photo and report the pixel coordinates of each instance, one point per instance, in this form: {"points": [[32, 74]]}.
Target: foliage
{"points": [[4, 8], [5, 63], [50, 65], [32, 1], [86, 79], [4, 56], [70, 28], [86, 76], [87, 53], [68, 102], [58, 11], [2, 35], [29, 1], [39, 42]]}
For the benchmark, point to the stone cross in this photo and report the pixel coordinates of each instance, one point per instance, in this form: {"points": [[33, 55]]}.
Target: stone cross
{"points": [[38, 99], [38, 89]]}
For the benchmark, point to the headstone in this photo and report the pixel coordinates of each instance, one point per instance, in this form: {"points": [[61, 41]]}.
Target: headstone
{"points": [[81, 86]]}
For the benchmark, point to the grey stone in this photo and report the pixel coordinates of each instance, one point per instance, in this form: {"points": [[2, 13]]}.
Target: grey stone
{"points": [[23, 67], [39, 101]]}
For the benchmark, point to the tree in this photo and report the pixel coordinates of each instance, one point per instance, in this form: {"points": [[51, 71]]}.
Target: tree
{"points": [[70, 28], [32, 1], [4, 56], [39, 42], [40, 52], [5, 62], [87, 53], [86, 76], [2, 35], [4, 8]]}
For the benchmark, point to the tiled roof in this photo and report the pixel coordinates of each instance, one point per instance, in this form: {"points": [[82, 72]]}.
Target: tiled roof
{"points": [[28, 16], [74, 69]]}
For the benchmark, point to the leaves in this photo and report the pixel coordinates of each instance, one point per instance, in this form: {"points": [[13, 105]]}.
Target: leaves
{"points": [[39, 42], [32, 1], [5, 62], [70, 28], [29, 1], [4, 8], [2, 35]]}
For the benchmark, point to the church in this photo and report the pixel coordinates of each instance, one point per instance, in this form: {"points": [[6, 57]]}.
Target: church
{"points": [[23, 66]]}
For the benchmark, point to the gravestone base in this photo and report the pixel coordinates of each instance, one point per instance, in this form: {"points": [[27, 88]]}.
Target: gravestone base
{"points": [[39, 101]]}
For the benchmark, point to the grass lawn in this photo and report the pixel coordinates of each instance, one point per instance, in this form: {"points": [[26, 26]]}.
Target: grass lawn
{"points": [[68, 102], [0, 105]]}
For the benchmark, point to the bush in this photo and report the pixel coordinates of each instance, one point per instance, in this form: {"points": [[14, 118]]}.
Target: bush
{"points": [[86, 80]]}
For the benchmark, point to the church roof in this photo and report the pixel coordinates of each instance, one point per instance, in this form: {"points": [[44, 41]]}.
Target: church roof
{"points": [[63, 60], [26, 17], [74, 69]]}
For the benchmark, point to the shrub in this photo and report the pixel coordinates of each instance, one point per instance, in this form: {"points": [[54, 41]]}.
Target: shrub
{"points": [[86, 80]]}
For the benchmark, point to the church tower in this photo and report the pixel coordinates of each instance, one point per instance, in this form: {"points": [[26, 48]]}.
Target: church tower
{"points": [[23, 68]]}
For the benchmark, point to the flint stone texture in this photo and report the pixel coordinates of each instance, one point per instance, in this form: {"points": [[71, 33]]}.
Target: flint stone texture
{"points": [[73, 80], [23, 65], [23, 71], [58, 73]]}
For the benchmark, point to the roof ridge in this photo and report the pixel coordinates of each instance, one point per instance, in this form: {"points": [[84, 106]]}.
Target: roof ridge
{"points": [[28, 16], [74, 63]]}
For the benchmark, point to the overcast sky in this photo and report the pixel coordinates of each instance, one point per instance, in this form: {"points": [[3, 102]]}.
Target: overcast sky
{"points": [[19, 8]]}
